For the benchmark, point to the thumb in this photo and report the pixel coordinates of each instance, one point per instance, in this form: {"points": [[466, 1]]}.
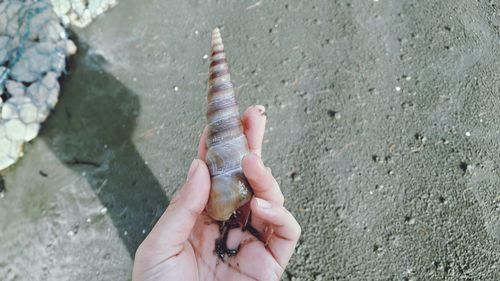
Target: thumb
{"points": [[174, 227]]}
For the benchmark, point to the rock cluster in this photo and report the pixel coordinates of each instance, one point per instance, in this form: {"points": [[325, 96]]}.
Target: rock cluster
{"points": [[33, 51], [80, 13]]}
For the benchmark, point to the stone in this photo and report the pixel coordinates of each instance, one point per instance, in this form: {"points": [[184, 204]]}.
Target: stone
{"points": [[33, 50], [4, 48], [28, 113], [80, 13], [15, 130], [31, 131], [15, 88], [9, 111]]}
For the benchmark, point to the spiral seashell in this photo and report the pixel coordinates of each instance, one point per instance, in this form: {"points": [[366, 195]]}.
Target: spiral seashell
{"points": [[226, 143]]}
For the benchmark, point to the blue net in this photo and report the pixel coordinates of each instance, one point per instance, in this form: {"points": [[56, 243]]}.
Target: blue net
{"points": [[33, 50]]}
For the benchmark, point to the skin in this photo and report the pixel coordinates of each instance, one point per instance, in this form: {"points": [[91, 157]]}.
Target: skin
{"points": [[181, 245]]}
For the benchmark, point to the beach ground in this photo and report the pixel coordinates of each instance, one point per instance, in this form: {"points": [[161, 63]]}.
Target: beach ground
{"points": [[382, 131]]}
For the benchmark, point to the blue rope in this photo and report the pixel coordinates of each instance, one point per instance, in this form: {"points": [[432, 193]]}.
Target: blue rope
{"points": [[26, 15]]}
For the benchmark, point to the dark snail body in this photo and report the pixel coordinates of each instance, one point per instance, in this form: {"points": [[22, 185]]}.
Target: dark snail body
{"points": [[226, 143]]}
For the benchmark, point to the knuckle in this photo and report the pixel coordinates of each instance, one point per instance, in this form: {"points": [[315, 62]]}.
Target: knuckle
{"points": [[294, 226], [281, 198], [297, 230], [193, 214]]}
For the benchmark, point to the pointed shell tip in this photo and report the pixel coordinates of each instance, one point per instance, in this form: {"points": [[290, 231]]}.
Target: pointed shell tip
{"points": [[216, 32]]}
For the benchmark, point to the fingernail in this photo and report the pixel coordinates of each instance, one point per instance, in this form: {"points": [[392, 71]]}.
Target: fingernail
{"points": [[263, 203], [261, 109], [193, 168]]}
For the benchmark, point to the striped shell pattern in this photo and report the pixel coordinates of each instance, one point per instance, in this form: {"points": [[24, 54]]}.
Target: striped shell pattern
{"points": [[226, 142]]}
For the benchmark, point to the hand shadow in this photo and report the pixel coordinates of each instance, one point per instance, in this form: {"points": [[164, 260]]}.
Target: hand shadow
{"points": [[90, 131]]}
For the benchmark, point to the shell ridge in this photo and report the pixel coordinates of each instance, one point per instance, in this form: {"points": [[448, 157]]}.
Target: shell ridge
{"points": [[226, 142]]}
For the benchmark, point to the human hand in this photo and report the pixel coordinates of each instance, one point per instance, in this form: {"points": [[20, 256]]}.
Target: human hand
{"points": [[181, 245]]}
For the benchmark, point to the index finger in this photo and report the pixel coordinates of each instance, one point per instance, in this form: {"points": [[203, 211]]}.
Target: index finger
{"points": [[254, 125], [202, 146], [263, 183]]}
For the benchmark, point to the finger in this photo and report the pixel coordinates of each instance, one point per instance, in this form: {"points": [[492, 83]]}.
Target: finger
{"points": [[261, 180], [202, 145], [254, 124], [286, 229], [174, 227]]}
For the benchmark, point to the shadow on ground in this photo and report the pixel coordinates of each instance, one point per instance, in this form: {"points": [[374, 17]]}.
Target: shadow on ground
{"points": [[91, 132]]}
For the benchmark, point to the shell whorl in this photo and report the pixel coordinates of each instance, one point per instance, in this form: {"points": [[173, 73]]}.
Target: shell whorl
{"points": [[226, 142]]}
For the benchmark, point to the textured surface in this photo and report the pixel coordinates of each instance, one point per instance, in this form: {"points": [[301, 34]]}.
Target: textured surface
{"points": [[33, 48], [80, 13], [382, 130], [226, 143]]}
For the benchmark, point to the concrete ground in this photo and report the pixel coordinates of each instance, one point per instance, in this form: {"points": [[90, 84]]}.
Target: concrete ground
{"points": [[382, 132]]}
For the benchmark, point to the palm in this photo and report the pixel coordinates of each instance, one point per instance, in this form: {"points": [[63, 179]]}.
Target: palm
{"points": [[181, 245], [199, 258]]}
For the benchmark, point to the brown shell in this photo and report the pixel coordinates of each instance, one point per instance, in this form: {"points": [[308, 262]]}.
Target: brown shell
{"points": [[226, 143]]}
